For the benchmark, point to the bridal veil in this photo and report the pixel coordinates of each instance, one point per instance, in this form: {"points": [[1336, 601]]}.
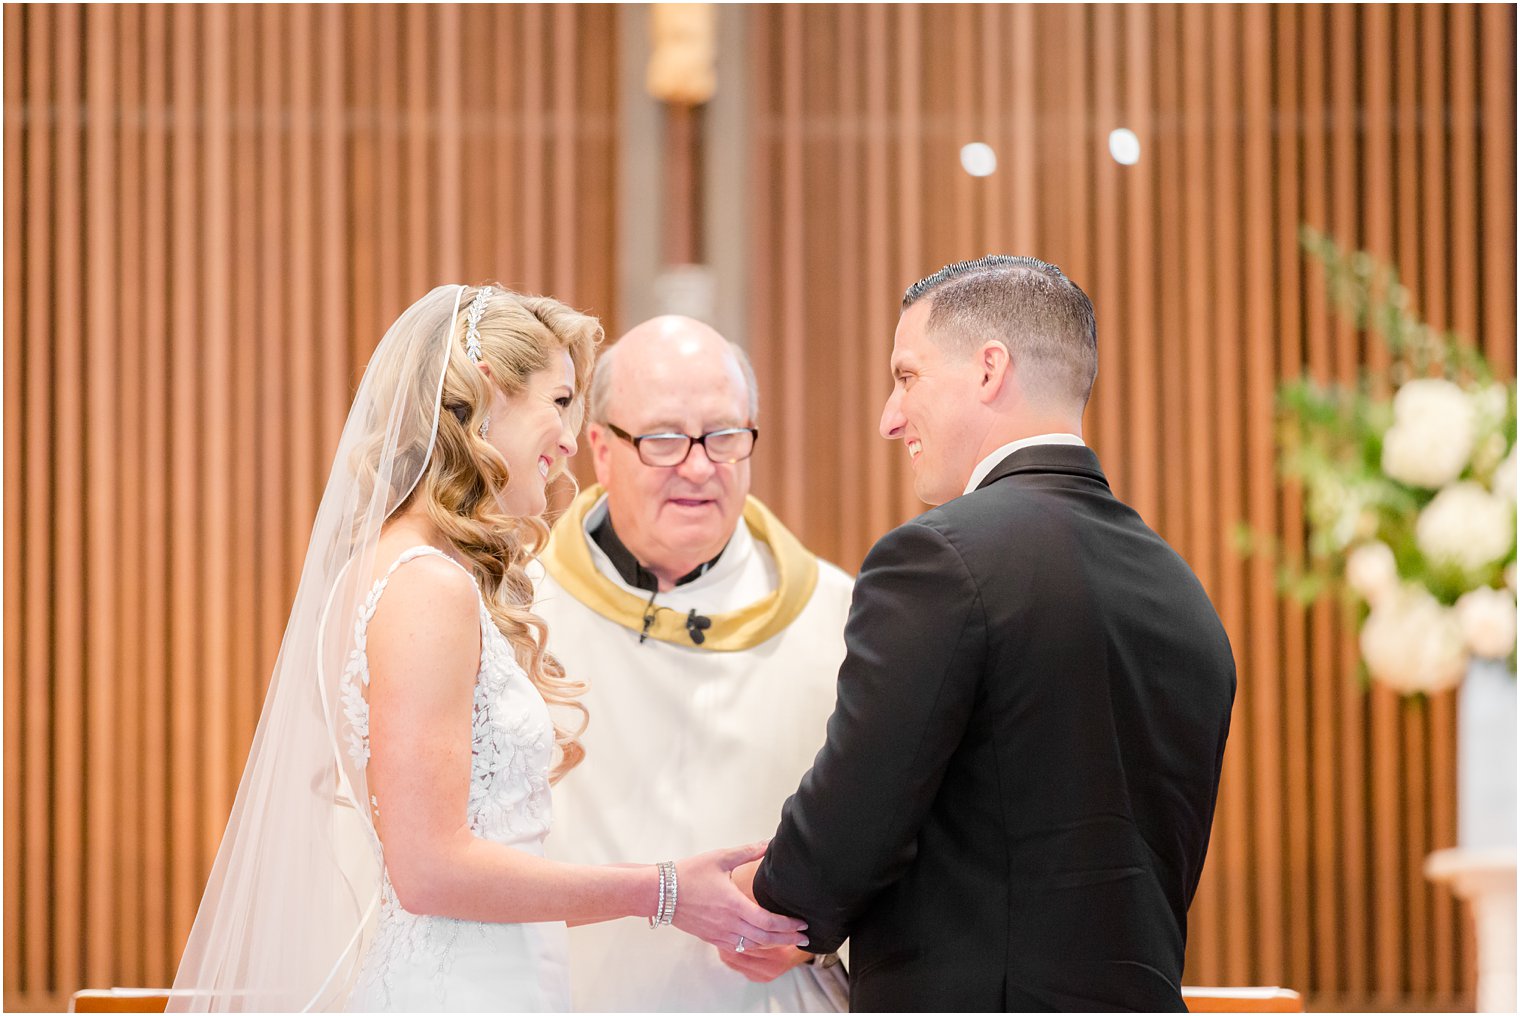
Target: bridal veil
{"points": [[296, 880]]}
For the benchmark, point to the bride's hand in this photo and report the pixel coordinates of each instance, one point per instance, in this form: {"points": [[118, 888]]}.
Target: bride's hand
{"points": [[711, 907]]}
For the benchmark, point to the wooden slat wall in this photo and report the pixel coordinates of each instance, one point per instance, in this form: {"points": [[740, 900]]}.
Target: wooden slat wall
{"points": [[1392, 128], [211, 215]]}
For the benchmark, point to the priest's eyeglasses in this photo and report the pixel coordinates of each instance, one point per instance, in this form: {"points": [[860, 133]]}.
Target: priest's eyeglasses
{"points": [[731, 444]]}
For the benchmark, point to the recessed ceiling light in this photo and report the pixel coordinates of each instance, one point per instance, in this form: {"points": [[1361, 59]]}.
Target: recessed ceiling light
{"points": [[1124, 146], [978, 159]]}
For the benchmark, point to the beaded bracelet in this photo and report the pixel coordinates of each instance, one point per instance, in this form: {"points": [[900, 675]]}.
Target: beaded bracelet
{"points": [[665, 910]]}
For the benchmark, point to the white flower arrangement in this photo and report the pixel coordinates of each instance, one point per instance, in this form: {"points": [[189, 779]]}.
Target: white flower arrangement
{"points": [[1487, 617], [1431, 440], [1409, 497], [1465, 528], [1413, 644]]}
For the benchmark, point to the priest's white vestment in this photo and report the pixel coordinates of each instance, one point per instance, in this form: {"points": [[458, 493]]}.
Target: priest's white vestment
{"points": [[689, 747]]}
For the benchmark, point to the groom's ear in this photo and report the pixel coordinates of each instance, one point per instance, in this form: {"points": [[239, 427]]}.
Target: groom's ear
{"points": [[996, 368]]}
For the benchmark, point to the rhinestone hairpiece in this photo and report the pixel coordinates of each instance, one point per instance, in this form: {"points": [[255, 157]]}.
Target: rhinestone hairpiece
{"points": [[472, 324]]}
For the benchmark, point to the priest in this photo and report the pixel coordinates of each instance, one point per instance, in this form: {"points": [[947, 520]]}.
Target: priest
{"points": [[709, 637]]}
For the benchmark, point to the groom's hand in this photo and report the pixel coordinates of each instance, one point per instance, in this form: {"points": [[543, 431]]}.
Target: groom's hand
{"points": [[744, 878], [764, 964], [711, 907]]}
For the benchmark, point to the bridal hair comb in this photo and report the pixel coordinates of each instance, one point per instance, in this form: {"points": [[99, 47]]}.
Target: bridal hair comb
{"points": [[472, 324]]}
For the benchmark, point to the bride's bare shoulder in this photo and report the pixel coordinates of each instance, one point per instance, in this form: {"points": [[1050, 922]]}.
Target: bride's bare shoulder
{"points": [[429, 613]]}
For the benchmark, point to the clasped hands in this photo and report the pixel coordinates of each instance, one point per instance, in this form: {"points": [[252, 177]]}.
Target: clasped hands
{"points": [[759, 963], [716, 903]]}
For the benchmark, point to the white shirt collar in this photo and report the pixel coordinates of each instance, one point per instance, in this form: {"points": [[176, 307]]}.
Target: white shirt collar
{"points": [[985, 466]]}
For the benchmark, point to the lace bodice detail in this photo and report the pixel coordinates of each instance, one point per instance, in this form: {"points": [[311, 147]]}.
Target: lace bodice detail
{"points": [[512, 739]]}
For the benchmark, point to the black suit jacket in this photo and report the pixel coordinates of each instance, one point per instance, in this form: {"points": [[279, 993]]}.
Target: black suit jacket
{"points": [[1013, 804]]}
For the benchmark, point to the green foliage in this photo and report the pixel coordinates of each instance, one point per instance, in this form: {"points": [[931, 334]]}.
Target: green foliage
{"points": [[1330, 436]]}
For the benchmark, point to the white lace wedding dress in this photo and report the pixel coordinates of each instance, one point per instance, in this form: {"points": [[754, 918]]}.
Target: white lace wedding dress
{"points": [[421, 963]]}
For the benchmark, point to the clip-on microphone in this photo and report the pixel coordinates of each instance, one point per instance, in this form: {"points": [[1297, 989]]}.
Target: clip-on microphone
{"points": [[696, 624]]}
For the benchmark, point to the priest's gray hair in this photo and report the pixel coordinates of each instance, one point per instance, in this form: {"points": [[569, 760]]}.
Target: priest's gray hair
{"points": [[1043, 319], [601, 383]]}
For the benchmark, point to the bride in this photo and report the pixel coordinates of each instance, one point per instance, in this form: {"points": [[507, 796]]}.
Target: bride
{"points": [[385, 851]]}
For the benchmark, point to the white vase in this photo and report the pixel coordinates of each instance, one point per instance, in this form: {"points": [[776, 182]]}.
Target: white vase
{"points": [[1486, 789]]}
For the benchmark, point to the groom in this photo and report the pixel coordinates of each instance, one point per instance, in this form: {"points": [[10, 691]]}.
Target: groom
{"points": [[1013, 804]]}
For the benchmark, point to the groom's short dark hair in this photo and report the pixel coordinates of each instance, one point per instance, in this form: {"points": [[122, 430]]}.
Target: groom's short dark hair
{"points": [[1030, 306]]}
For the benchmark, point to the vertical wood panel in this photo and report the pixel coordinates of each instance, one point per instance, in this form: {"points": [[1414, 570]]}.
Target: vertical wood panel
{"points": [[1025, 134], [15, 546], [1264, 673], [853, 436], [158, 941], [133, 848], [448, 45], [562, 150], [502, 89], [334, 364], [187, 844], [881, 276], [793, 270], [1174, 506], [1322, 741], [384, 83], [67, 497], [911, 262], [1463, 68], [1209, 933], [994, 116], [420, 209], [101, 487], [359, 31], [307, 472], [1236, 802], [1497, 30], [1142, 448], [39, 843], [1297, 882], [274, 470], [215, 418], [1107, 408], [958, 32], [532, 42], [760, 75], [243, 301]]}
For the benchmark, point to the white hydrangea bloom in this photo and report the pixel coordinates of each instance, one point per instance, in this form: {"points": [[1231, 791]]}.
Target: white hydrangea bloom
{"points": [[1431, 440], [1466, 526], [1411, 643], [1487, 617], [1371, 571]]}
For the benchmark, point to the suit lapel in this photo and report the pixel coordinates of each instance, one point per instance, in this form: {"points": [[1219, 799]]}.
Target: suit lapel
{"points": [[1073, 460]]}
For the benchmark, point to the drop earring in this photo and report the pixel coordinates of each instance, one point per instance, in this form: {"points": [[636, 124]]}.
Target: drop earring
{"points": [[485, 426]]}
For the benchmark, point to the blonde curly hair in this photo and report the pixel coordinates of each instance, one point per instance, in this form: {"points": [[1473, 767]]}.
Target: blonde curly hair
{"points": [[519, 336]]}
